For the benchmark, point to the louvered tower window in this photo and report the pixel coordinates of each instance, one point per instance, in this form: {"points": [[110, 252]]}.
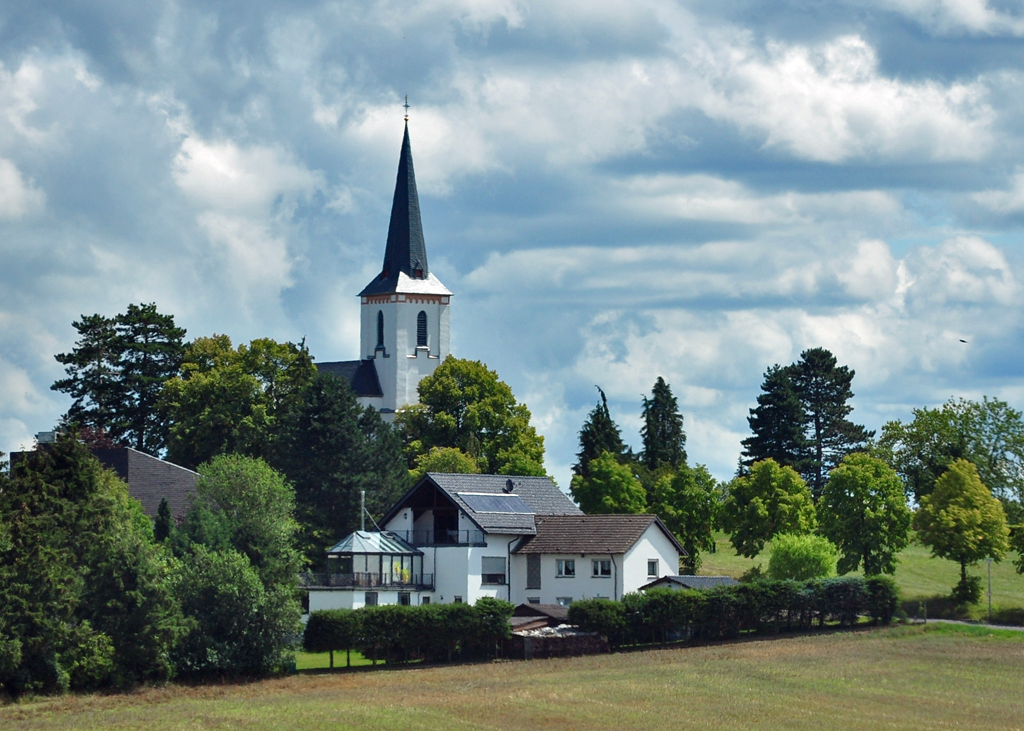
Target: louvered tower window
{"points": [[380, 328], [421, 329]]}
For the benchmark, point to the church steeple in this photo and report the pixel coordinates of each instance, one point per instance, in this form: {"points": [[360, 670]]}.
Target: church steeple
{"points": [[406, 251]]}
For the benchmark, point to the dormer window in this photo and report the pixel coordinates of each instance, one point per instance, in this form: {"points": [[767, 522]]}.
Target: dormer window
{"points": [[419, 274], [421, 329], [380, 328]]}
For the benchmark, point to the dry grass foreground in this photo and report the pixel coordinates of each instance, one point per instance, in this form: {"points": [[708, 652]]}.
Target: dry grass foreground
{"points": [[902, 678]]}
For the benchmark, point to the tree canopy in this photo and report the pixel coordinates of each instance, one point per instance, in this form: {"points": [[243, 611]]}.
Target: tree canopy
{"points": [[598, 435], [961, 521], [989, 434], [116, 371], [331, 449], [864, 512], [231, 399], [687, 503], [464, 405], [777, 423], [611, 488], [772, 499], [83, 601], [662, 431]]}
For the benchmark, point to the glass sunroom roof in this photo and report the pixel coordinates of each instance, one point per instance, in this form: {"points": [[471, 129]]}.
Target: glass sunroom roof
{"points": [[374, 542]]}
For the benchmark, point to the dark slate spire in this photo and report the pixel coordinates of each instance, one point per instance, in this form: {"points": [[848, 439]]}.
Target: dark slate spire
{"points": [[406, 251]]}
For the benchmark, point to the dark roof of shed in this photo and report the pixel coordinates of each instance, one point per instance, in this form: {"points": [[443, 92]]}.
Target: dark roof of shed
{"points": [[554, 611], [693, 582], [591, 534], [540, 494], [360, 374], [151, 479]]}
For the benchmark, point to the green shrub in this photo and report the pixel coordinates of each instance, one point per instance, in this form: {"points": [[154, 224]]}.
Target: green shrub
{"points": [[802, 557], [331, 631], [604, 616], [883, 598]]}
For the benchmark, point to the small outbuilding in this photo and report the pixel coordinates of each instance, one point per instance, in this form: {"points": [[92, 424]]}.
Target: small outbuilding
{"points": [[690, 582]]}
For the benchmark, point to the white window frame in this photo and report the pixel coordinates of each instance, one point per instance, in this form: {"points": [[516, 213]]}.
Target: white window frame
{"points": [[657, 568], [563, 600], [565, 568], [598, 566]]}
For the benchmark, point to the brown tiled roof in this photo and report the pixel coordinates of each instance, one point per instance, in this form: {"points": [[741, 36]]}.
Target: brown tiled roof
{"points": [[590, 534]]}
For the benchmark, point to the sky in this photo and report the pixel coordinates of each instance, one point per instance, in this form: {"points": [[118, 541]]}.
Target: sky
{"points": [[612, 191]]}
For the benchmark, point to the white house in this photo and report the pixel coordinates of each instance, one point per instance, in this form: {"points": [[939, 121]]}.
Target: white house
{"points": [[456, 538]]}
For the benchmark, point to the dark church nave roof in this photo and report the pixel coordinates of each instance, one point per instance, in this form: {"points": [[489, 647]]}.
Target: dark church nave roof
{"points": [[360, 374]]}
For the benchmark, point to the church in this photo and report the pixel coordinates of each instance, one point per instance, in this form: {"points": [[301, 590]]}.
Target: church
{"points": [[404, 320]]}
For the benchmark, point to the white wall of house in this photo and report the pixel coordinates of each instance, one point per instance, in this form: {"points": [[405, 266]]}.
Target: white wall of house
{"points": [[555, 589], [653, 545], [320, 599]]}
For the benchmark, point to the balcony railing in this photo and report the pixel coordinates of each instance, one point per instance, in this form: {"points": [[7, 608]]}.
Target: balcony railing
{"points": [[396, 580], [442, 537]]}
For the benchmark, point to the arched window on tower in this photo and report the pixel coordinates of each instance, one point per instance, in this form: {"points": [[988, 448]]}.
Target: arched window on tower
{"points": [[421, 329], [380, 328]]}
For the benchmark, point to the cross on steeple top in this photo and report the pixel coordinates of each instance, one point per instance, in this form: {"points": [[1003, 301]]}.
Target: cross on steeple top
{"points": [[406, 105]]}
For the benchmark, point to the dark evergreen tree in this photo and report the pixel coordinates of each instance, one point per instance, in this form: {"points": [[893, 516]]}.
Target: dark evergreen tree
{"points": [[332, 449], [824, 390], [116, 372], [599, 435], [662, 432], [777, 423], [162, 524]]}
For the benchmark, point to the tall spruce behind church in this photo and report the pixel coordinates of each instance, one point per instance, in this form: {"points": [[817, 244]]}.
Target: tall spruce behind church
{"points": [[404, 323]]}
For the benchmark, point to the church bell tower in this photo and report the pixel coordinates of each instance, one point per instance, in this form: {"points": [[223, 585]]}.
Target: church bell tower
{"points": [[404, 327]]}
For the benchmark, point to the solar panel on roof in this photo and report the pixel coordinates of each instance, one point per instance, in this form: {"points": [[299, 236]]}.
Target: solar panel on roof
{"points": [[480, 503]]}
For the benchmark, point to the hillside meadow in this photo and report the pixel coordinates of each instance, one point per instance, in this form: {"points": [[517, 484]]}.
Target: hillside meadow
{"points": [[898, 678], [920, 577]]}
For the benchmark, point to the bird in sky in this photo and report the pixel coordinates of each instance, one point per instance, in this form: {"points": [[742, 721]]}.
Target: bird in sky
{"points": [[963, 341]]}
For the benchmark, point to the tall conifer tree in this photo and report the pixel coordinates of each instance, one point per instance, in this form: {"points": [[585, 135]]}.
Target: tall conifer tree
{"points": [[599, 434], [777, 423], [662, 432]]}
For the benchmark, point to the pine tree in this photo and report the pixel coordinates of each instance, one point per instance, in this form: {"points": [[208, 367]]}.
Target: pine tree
{"points": [[824, 390], [662, 432], [116, 372], [162, 524], [777, 423], [599, 434]]}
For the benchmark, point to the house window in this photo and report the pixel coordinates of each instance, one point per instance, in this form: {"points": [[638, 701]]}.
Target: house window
{"points": [[421, 329], [492, 570], [425, 600], [380, 328], [533, 600], [458, 600], [404, 599], [565, 567], [564, 600], [533, 571], [602, 568], [371, 599], [652, 568]]}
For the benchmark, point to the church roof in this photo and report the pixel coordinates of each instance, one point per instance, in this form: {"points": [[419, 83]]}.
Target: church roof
{"points": [[406, 252], [360, 374]]}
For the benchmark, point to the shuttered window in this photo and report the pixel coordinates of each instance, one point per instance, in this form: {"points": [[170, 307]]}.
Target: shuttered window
{"points": [[492, 570], [532, 571], [380, 328]]}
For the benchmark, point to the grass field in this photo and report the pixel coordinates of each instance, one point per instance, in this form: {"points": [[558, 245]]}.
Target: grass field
{"points": [[899, 678], [919, 575]]}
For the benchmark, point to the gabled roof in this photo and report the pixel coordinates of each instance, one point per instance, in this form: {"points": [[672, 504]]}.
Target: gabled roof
{"points": [[374, 542], [540, 495], [591, 534], [692, 582], [360, 374], [151, 479], [553, 611], [406, 251]]}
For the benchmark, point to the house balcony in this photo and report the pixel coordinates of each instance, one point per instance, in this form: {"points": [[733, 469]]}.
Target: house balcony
{"points": [[402, 581], [420, 538]]}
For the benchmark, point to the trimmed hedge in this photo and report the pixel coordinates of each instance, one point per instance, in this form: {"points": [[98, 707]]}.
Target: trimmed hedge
{"points": [[393, 633], [765, 606]]}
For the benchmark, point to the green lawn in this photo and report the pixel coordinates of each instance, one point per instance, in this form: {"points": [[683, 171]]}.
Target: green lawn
{"points": [[919, 575], [322, 660], [899, 678]]}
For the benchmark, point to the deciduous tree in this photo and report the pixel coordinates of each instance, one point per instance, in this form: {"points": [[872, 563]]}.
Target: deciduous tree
{"points": [[445, 459], [772, 499], [687, 503], [611, 488], [463, 404], [863, 511], [962, 522], [801, 557]]}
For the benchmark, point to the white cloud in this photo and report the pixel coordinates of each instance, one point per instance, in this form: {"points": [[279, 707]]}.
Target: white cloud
{"points": [[17, 198], [956, 17], [1004, 201], [830, 103]]}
